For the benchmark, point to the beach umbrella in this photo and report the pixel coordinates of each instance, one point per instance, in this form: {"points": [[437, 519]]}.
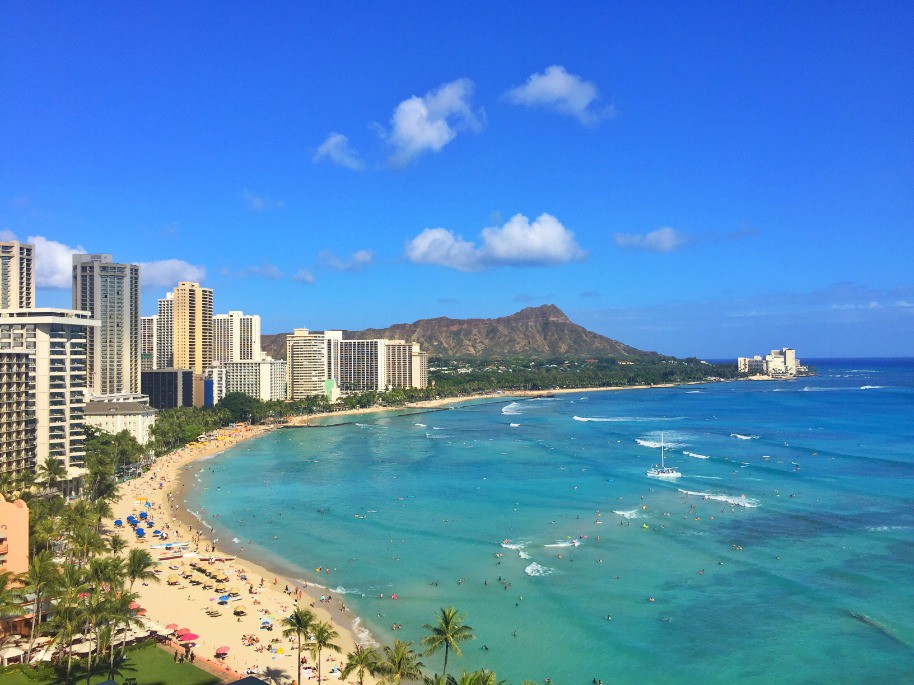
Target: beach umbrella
{"points": [[224, 598], [172, 626], [140, 533], [118, 523], [234, 591], [189, 637], [143, 514], [182, 631], [240, 610], [134, 606], [222, 650], [157, 532]]}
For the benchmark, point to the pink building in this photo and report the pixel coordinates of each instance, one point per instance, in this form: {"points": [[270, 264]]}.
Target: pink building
{"points": [[14, 536]]}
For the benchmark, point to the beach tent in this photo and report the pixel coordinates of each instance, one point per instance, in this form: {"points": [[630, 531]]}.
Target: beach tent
{"points": [[11, 653]]}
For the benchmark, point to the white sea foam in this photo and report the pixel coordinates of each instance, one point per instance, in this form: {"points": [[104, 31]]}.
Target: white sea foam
{"points": [[514, 425], [741, 501], [522, 554], [656, 444], [884, 529], [871, 387], [694, 392], [346, 591], [422, 425], [565, 543], [707, 477], [513, 408], [535, 570], [694, 455], [632, 514], [362, 634], [236, 540], [740, 436]]}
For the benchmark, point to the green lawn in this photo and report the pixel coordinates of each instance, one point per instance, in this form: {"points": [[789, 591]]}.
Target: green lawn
{"points": [[148, 664]]}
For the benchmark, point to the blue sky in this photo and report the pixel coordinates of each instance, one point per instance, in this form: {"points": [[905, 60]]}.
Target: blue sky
{"points": [[705, 179]]}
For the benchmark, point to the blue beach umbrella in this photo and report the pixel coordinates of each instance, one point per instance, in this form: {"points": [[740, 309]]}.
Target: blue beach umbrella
{"points": [[157, 532], [140, 533], [118, 523], [143, 514]]}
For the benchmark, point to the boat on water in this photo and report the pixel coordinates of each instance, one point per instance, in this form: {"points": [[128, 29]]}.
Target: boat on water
{"points": [[663, 471]]}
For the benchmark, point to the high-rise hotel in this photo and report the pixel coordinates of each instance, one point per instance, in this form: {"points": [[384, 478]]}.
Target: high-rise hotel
{"points": [[43, 377], [111, 294]]}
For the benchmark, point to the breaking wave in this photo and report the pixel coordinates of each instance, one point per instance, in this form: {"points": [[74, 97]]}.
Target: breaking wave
{"points": [[512, 409], [565, 543], [741, 501], [632, 514], [694, 455], [535, 570], [740, 436]]}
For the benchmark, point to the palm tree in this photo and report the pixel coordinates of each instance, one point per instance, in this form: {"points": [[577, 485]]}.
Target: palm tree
{"points": [[323, 635], [50, 472], [359, 660], [118, 614], [398, 662], [448, 632], [140, 566], [69, 616], [298, 623], [117, 544], [40, 577]]}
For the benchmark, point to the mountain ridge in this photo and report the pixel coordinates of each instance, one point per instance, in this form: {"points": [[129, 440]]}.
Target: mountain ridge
{"points": [[543, 332]]}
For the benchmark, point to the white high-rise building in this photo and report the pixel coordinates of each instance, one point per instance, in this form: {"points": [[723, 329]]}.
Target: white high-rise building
{"points": [[236, 337], [111, 294], [264, 380], [17, 414], [54, 341], [165, 333], [362, 366], [17, 275], [309, 357], [149, 339]]}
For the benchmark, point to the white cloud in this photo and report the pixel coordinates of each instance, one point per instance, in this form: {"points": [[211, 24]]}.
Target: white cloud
{"points": [[432, 121], [303, 276], [169, 272], [7, 234], [53, 262], [357, 261], [662, 240], [562, 92], [336, 148], [519, 242], [257, 203]]}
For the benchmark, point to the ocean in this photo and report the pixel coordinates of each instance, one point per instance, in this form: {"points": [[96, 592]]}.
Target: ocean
{"points": [[784, 553]]}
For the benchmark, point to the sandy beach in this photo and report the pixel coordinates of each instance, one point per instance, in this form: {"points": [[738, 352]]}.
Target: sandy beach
{"points": [[261, 593]]}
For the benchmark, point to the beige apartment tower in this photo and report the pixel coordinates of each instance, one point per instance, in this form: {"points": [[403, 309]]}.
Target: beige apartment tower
{"points": [[17, 275], [111, 294], [192, 331], [308, 361]]}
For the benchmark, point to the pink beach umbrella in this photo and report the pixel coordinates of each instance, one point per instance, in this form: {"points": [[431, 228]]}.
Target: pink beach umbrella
{"points": [[181, 631], [222, 650], [171, 626], [189, 637]]}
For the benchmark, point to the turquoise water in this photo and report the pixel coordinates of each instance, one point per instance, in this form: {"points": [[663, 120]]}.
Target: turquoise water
{"points": [[791, 563]]}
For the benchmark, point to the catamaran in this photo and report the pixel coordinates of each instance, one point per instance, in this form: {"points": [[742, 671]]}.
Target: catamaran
{"points": [[663, 471]]}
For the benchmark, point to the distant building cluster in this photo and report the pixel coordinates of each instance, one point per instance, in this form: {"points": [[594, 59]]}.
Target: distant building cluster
{"points": [[102, 364], [781, 363], [322, 362]]}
